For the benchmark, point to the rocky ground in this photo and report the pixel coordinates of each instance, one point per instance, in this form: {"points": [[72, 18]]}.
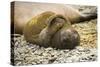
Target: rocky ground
{"points": [[88, 33], [29, 54]]}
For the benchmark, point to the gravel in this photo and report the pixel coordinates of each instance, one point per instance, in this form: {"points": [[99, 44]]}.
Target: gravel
{"points": [[88, 33], [31, 54]]}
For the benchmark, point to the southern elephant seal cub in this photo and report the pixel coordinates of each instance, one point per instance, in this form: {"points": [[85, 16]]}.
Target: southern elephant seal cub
{"points": [[50, 29]]}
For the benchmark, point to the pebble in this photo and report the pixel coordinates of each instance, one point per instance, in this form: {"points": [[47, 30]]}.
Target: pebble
{"points": [[24, 55]]}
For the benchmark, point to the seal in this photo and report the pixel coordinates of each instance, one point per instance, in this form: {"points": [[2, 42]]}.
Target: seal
{"points": [[53, 30]]}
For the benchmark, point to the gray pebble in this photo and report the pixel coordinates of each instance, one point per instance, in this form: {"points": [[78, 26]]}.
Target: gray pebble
{"points": [[30, 54]]}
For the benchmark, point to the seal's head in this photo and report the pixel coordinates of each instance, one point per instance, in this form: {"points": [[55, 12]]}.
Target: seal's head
{"points": [[66, 38]]}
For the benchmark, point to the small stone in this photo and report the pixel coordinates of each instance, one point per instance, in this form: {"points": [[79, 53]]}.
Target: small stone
{"points": [[52, 60], [49, 49]]}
